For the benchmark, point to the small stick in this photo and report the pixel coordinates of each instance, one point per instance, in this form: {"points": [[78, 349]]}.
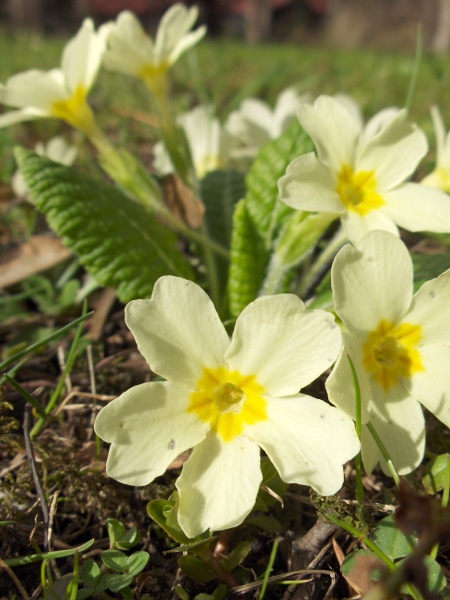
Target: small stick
{"points": [[34, 473]]}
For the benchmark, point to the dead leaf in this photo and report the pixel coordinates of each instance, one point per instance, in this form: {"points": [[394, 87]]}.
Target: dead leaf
{"points": [[182, 201], [35, 256]]}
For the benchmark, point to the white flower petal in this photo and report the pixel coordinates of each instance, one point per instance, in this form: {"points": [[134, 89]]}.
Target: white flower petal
{"points": [[430, 309], [310, 185], [19, 116], [286, 346], [186, 42], [175, 23], [417, 207], [398, 420], [340, 386], [334, 130], [148, 426], [356, 226], [432, 386], [308, 441], [35, 89], [178, 331], [218, 485], [378, 122], [82, 56], [394, 152], [372, 282], [129, 47]]}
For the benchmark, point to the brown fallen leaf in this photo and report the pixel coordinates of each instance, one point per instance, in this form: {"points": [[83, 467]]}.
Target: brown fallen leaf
{"points": [[35, 256], [182, 201]]}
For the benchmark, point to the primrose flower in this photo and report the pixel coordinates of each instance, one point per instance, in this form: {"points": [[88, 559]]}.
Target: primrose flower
{"points": [[255, 123], [360, 175], [59, 93], [226, 399], [440, 177], [399, 345], [132, 52], [209, 143]]}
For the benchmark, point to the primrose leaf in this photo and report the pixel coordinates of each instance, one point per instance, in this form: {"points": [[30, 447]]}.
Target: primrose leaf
{"points": [[249, 260], [119, 582], [220, 192], [429, 266], [236, 556], [117, 240], [388, 537], [196, 569], [263, 204], [437, 473]]}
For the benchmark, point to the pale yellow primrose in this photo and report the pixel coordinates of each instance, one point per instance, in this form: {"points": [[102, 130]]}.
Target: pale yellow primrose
{"points": [[440, 176], [226, 399], [360, 174], [399, 344], [59, 93], [132, 52], [210, 144]]}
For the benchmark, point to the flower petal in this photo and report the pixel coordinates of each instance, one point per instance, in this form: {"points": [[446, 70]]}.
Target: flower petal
{"points": [[36, 89], [175, 23], [82, 56], [129, 47], [394, 152], [286, 346], [430, 308], [186, 42], [340, 386], [178, 331], [148, 426], [218, 485], [307, 440], [357, 226], [372, 282], [398, 420], [334, 130], [19, 116], [431, 387], [310, 185], [417, 207]]}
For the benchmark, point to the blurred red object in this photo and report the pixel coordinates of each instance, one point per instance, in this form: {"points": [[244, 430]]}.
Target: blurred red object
{"points": [[113, 7]]}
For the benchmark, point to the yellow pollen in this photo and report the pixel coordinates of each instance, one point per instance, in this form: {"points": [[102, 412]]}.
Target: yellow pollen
{"points": [[228, 401], [75, 111], [358, 191], [390, 352]]}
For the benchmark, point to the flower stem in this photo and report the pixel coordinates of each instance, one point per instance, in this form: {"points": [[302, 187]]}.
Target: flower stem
{"points": [[358, 468], [384, 452], [321, 262]]}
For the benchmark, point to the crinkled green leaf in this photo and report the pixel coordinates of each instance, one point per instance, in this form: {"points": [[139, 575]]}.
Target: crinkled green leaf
{"points": [[116, 239], [249, 260], [437, 473], [220, 192], [264, 207], [388, 537], [429, 266]]}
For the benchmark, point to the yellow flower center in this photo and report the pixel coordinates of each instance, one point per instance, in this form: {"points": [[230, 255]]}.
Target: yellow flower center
{"points": [[390, 352], [228, 401], [76, 111], [358, 191], [155, 78]]}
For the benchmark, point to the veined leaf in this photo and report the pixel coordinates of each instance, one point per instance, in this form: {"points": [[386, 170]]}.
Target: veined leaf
{"points": [[264, 207], [116, 239], [249, 260], [220, 191]]}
